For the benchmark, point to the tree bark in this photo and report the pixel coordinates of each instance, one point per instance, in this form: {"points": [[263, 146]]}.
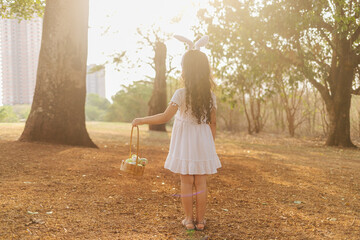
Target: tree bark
{"points": [[58, 111], [323, 115], [291, 122], [275, 112], [313, 122], [339, 127], [250, 131], [358, 123], [257, 117], [158, 101], [339, 106]]}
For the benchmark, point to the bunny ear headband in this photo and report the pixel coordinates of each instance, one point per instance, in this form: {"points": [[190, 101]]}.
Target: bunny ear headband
{"points": [[197, 45]]}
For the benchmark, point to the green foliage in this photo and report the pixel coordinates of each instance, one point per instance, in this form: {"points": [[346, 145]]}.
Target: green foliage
{"points": [[7, 114], [236, 45], [312, 36], [239, 54], [96, 107], [96, 68], [130, 102], [2, 114], [21, 111], [262, 48], [228, 110], [22, 9]]}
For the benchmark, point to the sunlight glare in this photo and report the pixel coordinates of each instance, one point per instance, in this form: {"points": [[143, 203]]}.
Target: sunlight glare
{"points": [[113, 25]]}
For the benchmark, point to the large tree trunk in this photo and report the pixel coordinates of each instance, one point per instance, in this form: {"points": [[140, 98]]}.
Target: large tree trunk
{"points": [[58, 110], [358, 123], [339, 129], [158, 101], [339, 108]]}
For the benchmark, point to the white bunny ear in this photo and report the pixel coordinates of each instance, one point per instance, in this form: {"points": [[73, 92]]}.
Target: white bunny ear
{"points": [[185, 40], [201, 42]]}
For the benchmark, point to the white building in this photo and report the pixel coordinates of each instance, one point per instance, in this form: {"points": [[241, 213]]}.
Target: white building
{"points": [[19, 52], [20, 47], [95, 82]]}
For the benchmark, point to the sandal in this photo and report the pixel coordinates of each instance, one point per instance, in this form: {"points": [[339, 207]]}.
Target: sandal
{"points": [[200, 223], [185, 223]]}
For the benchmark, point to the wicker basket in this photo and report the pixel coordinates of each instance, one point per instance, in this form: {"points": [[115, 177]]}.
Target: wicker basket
{"points": [[131, 168]]}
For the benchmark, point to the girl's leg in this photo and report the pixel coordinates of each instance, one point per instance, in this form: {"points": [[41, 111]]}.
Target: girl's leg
{"points": [[187, 182], [200, 186]]}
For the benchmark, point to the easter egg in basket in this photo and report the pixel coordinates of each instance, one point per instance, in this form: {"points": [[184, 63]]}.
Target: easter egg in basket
{"points": [[134, 164]]}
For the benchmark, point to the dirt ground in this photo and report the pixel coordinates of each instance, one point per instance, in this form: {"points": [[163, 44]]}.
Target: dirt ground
{"points": [[269, 187]]}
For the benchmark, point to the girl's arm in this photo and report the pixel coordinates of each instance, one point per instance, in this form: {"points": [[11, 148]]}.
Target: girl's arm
{"points": [[213, 122], [158, 118]]}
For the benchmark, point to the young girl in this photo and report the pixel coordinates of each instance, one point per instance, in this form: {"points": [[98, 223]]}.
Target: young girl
{"points": [[192, 149]]}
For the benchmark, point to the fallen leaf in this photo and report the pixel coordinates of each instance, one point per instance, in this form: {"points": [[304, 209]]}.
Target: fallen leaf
{"points": [[38, 221], [30, 212]]}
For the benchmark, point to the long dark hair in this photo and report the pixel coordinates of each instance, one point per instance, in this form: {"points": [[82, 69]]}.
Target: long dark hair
{"points": [[198, 84]]}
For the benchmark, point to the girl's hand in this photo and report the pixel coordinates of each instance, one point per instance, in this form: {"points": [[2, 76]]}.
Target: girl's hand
{"points": [[136, 121]]}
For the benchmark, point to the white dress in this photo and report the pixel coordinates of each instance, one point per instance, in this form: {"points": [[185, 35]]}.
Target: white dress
{"points": [[192, 148]]}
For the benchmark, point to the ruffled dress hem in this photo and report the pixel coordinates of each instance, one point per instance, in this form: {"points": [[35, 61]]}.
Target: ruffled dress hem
{"points": [[191, 167]]}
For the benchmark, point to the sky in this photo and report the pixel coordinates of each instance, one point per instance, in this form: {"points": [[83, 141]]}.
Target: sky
{"points": [[113, 28]]}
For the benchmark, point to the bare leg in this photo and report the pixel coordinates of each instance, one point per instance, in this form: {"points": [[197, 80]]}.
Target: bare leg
{"points": [[187, 182], [200, 186]]}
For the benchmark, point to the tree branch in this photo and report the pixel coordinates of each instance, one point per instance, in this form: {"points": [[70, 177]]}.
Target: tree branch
{"points": [[321, 63], [338, 7], [301, 93], [323, 34], [355, 36], [321, 88], [323, 24], [151, 64], [357, 59], [170, 70]]}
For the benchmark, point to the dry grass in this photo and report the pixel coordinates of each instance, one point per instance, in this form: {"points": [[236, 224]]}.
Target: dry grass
{"points": [[269, 187]]}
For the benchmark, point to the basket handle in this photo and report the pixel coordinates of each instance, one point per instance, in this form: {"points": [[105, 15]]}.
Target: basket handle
{"points": [[137, 143]]}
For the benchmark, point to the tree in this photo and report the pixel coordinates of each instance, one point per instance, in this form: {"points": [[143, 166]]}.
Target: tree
{"points": [[22, 111], [158, 101], [322, 38], [21, 9], [237, 56], [130, 102], [96, 107], [2, 114], [58, 111], [287, 86], [7, 114], [227, 109]]}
